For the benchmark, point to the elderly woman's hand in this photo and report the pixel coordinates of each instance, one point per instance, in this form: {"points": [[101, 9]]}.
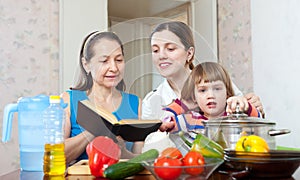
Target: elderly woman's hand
{"points": [[125, 154], [121, 142]]}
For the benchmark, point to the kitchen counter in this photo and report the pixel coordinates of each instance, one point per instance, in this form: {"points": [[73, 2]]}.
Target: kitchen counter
{"points": [[27, 175]]}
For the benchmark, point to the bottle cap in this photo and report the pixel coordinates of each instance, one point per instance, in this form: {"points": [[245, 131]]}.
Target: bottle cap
{"points": [[54, 99]]}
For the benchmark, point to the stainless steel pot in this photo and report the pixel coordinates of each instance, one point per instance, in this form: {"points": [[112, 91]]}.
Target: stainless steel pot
{"points": [[227, 130]]}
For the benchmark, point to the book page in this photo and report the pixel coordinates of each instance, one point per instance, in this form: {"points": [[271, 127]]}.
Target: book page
{"points": [[105, 114], [137, 121]]}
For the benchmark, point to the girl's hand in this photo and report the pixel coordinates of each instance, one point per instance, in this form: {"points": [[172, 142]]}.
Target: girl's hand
{"points": [[167, 124], [237, 101]]}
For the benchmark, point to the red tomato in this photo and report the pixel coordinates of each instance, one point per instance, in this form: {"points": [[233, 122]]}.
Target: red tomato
{"points": [[171, 152], [163, 168], [194, 158]]}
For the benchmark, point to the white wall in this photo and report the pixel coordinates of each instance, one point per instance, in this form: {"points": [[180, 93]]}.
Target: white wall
{"points": [[204, 22], [276, 63], [77, 19]]}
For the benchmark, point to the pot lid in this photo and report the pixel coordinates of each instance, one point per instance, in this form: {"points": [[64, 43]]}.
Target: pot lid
{"points": [[238, 119]]}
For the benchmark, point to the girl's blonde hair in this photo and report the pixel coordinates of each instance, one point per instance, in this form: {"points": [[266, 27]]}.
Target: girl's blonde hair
{"points": [[207, 72]]}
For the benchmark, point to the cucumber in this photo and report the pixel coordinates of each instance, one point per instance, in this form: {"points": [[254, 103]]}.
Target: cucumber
{"points": [[122, 170], [148, 155], [131, 167], [185, 140]]}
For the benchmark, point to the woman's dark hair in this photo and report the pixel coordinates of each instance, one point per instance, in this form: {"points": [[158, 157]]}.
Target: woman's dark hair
{"points": [[85, 81], [182, 31]]}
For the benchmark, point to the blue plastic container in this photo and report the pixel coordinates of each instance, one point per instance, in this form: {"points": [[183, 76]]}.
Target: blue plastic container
{"points": [[31, 130]]}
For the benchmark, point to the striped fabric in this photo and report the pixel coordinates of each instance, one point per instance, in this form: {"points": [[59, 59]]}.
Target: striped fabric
{"points": [[186, 120]]}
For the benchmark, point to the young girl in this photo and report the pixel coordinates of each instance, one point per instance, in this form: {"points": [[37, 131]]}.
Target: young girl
{"points": [[210, 88]]}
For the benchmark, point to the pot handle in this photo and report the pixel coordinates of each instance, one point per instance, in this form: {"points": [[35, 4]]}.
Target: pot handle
{"points": [[275, 132]]}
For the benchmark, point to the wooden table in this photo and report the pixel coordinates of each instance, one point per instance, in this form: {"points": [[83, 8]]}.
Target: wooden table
{"points": [[27, 175]]}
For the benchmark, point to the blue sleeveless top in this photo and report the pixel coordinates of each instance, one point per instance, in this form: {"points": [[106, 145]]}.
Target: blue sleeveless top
{"points": [[128, 109]]}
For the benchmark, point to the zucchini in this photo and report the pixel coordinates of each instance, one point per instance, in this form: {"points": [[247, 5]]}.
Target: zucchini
{"points": [[207, 147], [205, 141], [204, 145], [131, 167]]}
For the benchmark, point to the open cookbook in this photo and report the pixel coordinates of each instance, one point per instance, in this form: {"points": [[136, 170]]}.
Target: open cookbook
{"points": [[100, 122]]}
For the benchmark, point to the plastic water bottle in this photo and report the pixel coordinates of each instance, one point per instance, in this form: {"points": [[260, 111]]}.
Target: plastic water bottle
{"points": [[54, 149]]}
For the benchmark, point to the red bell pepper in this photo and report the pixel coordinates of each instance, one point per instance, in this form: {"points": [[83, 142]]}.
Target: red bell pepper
{"points": [[102, 152]]}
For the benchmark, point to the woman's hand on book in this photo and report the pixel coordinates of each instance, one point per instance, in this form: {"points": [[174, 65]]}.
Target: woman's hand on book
{"points": [[121, 142], [125, 154], [89, 136]]}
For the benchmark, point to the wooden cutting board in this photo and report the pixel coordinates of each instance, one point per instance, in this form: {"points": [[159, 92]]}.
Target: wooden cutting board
{"points": [[82, 168]]}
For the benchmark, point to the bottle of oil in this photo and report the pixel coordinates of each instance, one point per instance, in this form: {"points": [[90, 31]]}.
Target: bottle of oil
{"points": [[54, 155]]}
